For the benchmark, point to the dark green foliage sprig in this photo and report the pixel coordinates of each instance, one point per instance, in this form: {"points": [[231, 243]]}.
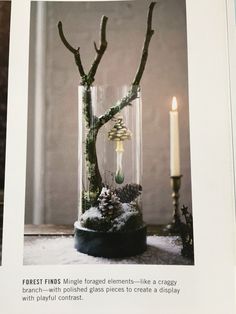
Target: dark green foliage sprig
{"points": [[89, 199], [186, 233], [126, 220], [129, 192]]}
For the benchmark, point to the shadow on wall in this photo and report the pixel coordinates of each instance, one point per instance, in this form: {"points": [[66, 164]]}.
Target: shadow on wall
{"points": [[51, 193]]}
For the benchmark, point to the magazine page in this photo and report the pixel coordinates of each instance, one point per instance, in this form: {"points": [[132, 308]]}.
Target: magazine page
{"points": [[119, 184], [231, 19]]}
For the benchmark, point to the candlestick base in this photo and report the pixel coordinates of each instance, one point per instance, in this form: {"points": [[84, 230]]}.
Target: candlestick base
{"points": [[110, 244], [174, 227]]}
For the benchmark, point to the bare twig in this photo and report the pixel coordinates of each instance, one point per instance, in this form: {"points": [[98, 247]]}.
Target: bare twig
{"points": [[95, 47], [75, 52], [99, 51], [148, 37], [65, 42]]}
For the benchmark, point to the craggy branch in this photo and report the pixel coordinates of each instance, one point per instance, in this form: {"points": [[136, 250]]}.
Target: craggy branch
{"points": [[125, 101], [75, 52], [133, 92], [99, 51], [94, 123]]}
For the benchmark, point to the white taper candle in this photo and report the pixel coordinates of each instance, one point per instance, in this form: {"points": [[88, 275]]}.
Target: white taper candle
{"points": [[174, 140]]}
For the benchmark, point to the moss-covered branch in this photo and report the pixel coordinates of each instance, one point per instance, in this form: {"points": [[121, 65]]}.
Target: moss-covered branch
{"points": [[122, 103], [93, 172], [94, 123], [87, 106], [133, 92]]}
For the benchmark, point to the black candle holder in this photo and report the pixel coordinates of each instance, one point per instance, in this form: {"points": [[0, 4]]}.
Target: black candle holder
{"points": [[174, 226]]}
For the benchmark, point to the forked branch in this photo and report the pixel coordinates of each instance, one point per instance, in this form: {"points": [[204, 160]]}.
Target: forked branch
{"points": [[94, 123], [87, 78], [75, 52], [99, 51]]}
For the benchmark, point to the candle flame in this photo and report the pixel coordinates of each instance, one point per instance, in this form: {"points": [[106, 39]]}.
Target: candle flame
{"points": [[174, 104]]}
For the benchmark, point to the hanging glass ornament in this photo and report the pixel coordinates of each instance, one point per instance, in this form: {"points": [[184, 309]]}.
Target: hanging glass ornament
{"points": [[119, 133]]}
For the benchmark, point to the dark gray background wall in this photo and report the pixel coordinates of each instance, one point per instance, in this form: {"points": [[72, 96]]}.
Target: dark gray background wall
{"points": [[165, 76]]}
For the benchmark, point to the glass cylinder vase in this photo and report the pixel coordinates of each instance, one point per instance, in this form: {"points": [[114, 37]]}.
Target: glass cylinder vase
{"points": [[110, 161]]}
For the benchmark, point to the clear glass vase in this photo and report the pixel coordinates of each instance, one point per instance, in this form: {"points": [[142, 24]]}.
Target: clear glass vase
{"points": [[110, 156]]}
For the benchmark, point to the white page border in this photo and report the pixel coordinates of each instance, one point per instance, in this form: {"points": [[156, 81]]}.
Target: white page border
{"points": [[207, 286]]}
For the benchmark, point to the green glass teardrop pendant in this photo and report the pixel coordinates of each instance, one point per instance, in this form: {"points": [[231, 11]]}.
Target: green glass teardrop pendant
{"points": [[119, 178]]}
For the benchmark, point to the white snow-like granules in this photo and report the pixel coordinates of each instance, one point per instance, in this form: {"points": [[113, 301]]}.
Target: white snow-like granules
{"points": [[92, 213], [59, 250], [127, 218]]}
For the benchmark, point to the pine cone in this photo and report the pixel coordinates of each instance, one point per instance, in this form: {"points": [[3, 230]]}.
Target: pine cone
{"points": [[108, 203], [129, 192]]}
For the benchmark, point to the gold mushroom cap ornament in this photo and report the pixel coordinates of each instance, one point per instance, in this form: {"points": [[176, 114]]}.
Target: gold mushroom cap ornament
{"points": [[119, 133]]}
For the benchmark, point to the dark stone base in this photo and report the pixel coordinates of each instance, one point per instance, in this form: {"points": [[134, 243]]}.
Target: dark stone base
{"points": [[110, 244]]}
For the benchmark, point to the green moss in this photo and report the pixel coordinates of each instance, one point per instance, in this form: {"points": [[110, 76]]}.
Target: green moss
{"points": [[89, 199], [93, 219]]}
